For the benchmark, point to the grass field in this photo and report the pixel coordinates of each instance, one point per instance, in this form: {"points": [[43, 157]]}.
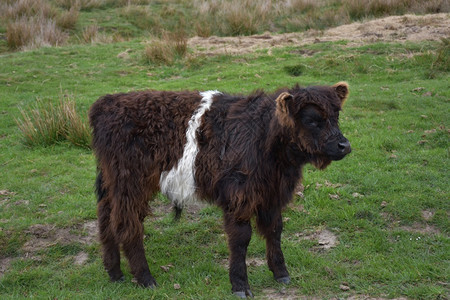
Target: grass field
{"points": [[384, 208]]}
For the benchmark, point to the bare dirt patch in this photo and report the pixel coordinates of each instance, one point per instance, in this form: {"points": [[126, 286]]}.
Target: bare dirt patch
{"points": [[365, 297], [325, 238], [417, 227], [427, 215], [249, 261], [255, 262], [44, 236], [5, 196], [389, 29], [6, 193], [81, 258], [421, 228], [4, 265], [284, 294]]}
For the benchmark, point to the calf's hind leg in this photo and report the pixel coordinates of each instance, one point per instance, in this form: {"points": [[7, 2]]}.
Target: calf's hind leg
{"points": [[135, 253], [239, 235], [129, 213], [111, 252], [129, 207]]}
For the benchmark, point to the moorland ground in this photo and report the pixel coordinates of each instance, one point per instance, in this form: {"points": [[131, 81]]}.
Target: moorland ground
{"points": [[373, 225]]}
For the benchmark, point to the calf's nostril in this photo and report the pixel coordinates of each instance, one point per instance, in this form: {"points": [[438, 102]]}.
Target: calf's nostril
{"points": [[344, 146]]}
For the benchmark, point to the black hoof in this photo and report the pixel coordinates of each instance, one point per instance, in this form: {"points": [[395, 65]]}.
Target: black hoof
{"points": [[243, 294], [285, 280], [116, 277], [148, 283]]}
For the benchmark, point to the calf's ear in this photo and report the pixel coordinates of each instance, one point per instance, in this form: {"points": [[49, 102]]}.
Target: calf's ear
{"points": [[282, 111], [341, 89]]}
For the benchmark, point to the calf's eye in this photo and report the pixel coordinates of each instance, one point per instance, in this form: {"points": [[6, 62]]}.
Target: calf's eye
{"points": [[313, 123]]}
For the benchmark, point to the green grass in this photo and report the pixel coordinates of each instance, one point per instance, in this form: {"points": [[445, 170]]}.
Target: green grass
{"points": [[399, 165]]}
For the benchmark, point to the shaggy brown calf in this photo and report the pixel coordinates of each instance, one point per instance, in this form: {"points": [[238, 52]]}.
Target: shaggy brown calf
{"points": [[244, 154]]}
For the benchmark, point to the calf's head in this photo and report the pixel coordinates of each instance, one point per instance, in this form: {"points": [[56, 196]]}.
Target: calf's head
{"points": [[312, 116]]}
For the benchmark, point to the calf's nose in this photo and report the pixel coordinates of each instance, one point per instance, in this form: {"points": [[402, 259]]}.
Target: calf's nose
{"points": [[344, 147]]}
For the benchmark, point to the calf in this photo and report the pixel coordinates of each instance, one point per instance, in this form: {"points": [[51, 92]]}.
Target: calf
{"points": [[242, 153]]}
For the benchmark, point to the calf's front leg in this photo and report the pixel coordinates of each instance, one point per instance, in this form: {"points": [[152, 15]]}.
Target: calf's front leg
{"points": [[270, 226], [239, 234]]}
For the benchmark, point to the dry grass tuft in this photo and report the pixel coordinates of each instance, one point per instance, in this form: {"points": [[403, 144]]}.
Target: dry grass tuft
{"points": [[133, 2], [301, 5], [35, 23], [90, 33], [202, 28], [11, 10], [159, 52], [29, 33], [244, 17], [46, 124], [359, 9], [168, 48], [178, 39], [97, 4], [235, 17], [431, 6], [82, 4], [68, 19], [76, 129]]}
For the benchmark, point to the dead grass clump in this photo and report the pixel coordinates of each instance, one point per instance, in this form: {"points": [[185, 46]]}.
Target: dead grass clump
{"points": [[18, 34], [159, 52], [431, 6], [245, 17], [359, 9], [76, 129], [68, 19], [35, 23], [301, 5], [90, 33], [92, 4], [83, 4], [46, 123], [203, 29], [235, 17], [130, 2], [30, 8], [386, 7], [356, 9], [316, 19], [167, 49], [29, 33], [179, 40]]}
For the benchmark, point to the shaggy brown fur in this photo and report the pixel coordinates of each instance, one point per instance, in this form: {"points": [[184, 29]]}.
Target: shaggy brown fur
{"points": [[251, 150]]}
